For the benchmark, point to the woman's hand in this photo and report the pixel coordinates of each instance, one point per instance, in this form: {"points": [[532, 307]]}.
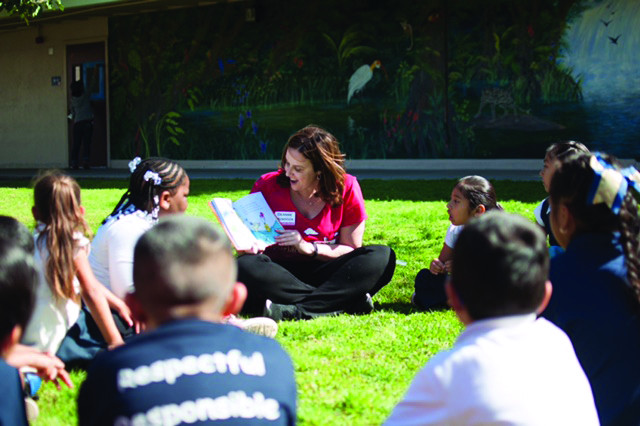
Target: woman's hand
{"points": [[255, 249], [293, 238]]}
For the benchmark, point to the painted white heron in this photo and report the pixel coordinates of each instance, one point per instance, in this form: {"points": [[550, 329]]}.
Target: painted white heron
{"points": [[360, 78]]}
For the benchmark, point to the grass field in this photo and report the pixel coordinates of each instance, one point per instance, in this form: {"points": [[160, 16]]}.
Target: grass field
{"points": [[349, 369]]}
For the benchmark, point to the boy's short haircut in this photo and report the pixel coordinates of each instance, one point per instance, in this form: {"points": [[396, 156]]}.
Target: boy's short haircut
{"points": [[13, 230], [182, 261], [18, 280], [500, 266], [560, 150]]}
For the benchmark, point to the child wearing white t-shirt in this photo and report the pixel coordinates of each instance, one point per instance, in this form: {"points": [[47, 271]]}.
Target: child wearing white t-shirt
{"points": [[471, 197], [65, 275]]}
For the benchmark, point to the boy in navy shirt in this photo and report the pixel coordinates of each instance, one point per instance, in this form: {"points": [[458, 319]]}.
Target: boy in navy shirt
{"points": [[18, 278], [188, 367]]}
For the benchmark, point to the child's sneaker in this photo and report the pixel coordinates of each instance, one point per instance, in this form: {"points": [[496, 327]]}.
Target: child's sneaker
{"points": [[31, 408], [258, 325]]}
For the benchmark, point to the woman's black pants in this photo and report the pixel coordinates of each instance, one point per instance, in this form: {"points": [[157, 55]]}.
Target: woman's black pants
{"points": [[337, 285]]}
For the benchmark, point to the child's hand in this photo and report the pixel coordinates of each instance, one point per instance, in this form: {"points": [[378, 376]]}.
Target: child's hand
{"points": [[123, 310], [57, 377], [437, 267]]}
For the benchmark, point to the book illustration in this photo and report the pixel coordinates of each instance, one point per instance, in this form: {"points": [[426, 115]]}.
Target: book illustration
{"points": [[248, 222]]}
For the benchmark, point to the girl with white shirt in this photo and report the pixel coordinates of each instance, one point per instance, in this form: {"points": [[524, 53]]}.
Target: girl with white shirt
{"points": [[472, 196], [65, 276]]}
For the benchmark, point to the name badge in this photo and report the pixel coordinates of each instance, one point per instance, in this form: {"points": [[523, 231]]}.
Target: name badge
{"points": [[286, 218]]}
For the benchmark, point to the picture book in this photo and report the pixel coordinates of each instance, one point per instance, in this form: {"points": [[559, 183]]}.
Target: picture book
{"points": [[248, 222]]}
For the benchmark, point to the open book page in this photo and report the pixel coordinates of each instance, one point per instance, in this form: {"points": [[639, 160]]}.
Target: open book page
{"points": [[248, 222], [259, 218], [240, 236]]}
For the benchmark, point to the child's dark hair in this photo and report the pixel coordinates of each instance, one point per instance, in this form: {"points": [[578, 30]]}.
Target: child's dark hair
{"points": [[143, 191], [570, 186], [560, 150], [477, 190], [18, 280], [13, 230], [512, 254], [181, 261]]}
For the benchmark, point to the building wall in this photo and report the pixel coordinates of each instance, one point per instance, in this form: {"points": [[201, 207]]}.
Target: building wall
{"points": [[33, 112]]}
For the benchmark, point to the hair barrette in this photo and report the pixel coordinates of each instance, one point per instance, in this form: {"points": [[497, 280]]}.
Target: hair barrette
{"points": [[156, 207], [610, 185], [134, 163], [149, 175]]}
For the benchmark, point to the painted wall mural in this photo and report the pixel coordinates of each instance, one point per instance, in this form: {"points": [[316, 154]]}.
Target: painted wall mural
{"points": [[391, 79]]}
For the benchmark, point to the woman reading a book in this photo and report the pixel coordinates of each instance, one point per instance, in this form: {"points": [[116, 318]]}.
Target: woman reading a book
{"points": [[318, 265]]}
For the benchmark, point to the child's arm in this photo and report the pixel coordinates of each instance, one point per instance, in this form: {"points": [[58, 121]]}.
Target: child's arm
{"points": [[49, 367], [121, 308], [93, 295], [442, 264]]}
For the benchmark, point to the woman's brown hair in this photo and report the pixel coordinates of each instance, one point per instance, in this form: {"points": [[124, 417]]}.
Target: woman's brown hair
{"points": [[56, 204], [323, 150]]}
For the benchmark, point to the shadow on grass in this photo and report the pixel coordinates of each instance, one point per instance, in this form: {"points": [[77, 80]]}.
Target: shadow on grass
{"points": [[403, 308]]}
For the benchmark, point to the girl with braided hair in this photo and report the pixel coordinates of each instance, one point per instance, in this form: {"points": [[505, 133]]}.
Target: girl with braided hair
{"points": [[596, 281], [157, 186]]}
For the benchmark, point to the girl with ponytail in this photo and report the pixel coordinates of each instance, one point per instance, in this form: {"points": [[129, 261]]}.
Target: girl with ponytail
{"points": [[62, 250], [596, 281]]}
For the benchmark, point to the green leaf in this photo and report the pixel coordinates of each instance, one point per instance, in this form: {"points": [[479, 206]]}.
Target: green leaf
{"points": [[134, 60], [174, 140]]}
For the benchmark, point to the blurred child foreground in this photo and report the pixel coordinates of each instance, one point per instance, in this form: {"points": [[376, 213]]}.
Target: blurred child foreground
{"points": [[508, 366], [188, 366]]}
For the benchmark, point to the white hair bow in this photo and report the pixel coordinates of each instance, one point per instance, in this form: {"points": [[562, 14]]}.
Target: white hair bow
{"points": [[133, 164], [149, 175]]}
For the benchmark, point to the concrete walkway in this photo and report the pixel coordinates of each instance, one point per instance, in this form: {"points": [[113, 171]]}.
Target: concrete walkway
{"points": [[500, 169], [513, 169]]}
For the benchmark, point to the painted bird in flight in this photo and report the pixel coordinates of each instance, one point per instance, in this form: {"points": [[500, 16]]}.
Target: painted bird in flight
{"points": [[360, 78], [614, 40], [606, 23]]}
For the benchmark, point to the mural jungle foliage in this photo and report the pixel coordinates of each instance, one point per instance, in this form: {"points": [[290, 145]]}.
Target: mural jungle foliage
{"points": [[391, 79]]}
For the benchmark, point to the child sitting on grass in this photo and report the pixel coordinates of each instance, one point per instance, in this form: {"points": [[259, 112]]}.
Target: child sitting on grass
{"points": [[508, 366], [596, 297], [188, 367], [552, 160], [65, 275], [471, 197], [24, 357], [18, 278]]}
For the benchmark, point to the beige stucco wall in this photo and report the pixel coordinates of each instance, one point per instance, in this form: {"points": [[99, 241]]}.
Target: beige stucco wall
{"points": [[33, 113]]}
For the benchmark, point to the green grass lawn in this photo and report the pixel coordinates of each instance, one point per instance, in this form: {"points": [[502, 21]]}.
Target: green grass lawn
{"points": [[349, 369]]}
